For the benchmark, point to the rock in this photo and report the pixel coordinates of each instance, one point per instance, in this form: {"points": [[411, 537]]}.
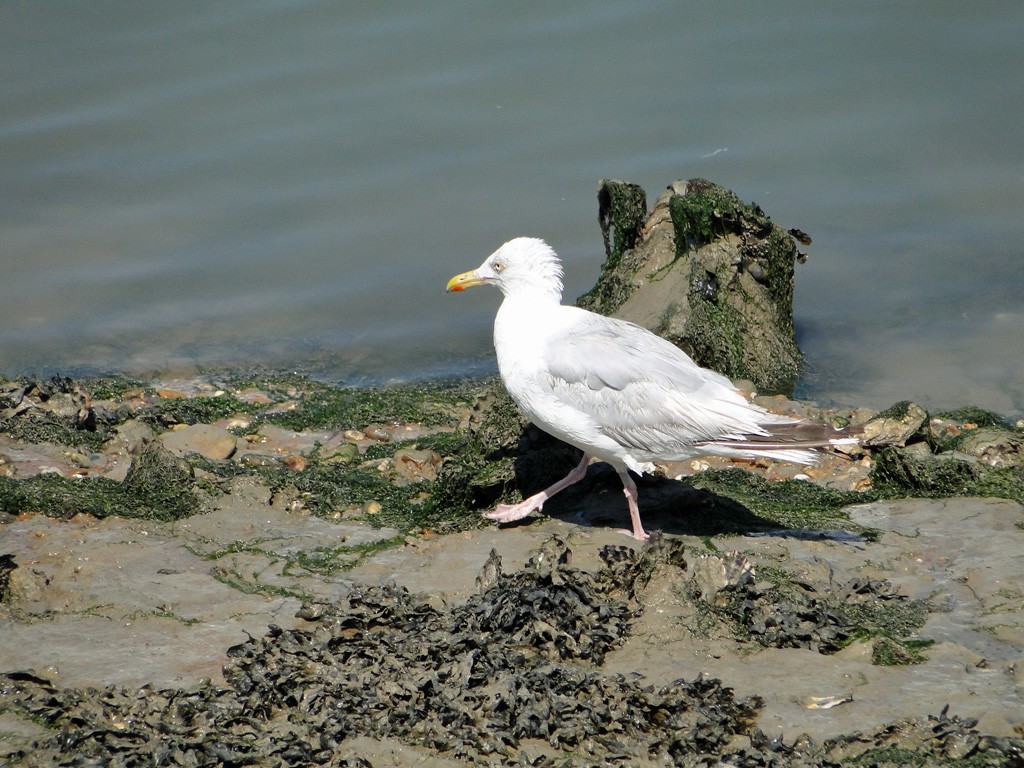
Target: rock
{"points": [[235, 422], [707, 272], [996, 446], [256, 459], [894, 426], [378, 432], [414, 464], [170, 394], [131, 436], [346, 453], [295, 462], [253, 395], [206, 440]]}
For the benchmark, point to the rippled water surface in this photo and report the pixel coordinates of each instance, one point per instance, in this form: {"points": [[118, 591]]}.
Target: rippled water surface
{"points": [[290, 184]]}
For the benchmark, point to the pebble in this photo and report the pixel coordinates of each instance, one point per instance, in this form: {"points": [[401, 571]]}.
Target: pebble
{"points": [[170, 394], [132, 435], [252, 459], [378, 433], [254, 396], [284, 407], [344, 454], [416, 464], [206, 440], [295, 462]]}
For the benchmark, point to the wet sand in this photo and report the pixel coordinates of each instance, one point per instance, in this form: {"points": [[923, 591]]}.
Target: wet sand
{"points": [[119, 602]]}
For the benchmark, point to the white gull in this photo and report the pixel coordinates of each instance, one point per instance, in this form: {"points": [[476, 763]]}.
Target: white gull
{"points": [[615, 390]]}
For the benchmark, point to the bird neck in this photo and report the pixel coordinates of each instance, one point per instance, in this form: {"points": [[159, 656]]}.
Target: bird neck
{"points": [[534, 294], [522, 316], [519, 327]]}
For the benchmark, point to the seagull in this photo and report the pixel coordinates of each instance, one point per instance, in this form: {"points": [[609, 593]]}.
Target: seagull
{"points": [[613, 389]]}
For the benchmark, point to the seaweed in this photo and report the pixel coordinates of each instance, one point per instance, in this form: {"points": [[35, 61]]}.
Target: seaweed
{"points": [[513, 675], [157, 487], [322, 406], [784, 612], [706, 213], [899, 474], [198, 410], [622, 208], [787, 503]]}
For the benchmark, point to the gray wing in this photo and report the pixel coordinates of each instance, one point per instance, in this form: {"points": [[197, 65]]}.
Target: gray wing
{"points": [[641, 390]]}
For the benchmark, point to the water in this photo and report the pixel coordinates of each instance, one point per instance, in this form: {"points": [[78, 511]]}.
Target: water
{"points": [[290, 184]]}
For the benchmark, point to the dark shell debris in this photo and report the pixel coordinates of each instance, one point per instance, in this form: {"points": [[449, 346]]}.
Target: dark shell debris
{"points": [[511, 676]]}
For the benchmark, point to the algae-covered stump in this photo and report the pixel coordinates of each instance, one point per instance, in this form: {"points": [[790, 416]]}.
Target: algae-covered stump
{"points": [[710, 273]]}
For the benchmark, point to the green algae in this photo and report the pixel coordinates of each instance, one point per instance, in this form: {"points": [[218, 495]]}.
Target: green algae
{"points": [[112, 386], [900, 474], [973, 415], [709, 212], [157, 487], [715, 336], [622, 208], [787, 503], [56, 411], [891, 624], [704, 215], [495, 458], [896, 411], [325, 487], [237, 581], [204, 409], [162, 488], [327, 561], [328, 488], [239, 546], [719, 333], [57, 430], [57, 496], [323, 406], [889, 652], [161, 613]]}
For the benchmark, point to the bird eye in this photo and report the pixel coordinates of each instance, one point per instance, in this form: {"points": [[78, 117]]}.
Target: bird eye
{"points": [[498, 266]]}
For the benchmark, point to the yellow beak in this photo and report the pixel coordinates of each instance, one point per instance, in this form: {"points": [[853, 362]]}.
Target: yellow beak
{"points": [[464, 281]]}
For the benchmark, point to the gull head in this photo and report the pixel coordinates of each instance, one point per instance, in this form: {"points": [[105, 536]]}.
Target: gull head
{"points": [[526, 267]]}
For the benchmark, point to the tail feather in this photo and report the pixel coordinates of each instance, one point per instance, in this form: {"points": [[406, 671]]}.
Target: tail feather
{"points": [[795, 441]]}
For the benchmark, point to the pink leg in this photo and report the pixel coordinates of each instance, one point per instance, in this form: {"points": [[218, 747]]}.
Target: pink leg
{"points": [[506, 513], [629, 488]]}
